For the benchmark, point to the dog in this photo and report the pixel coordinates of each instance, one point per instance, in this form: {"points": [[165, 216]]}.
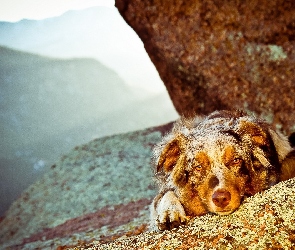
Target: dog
{"points": [[208, 164]]}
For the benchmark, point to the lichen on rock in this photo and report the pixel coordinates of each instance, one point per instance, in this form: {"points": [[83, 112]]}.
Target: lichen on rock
{"points": [[263, 221]]}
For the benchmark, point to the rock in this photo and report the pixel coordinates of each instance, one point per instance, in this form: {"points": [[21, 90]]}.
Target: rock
{"points": [[264, 221], [98, 190], [215, 54], [97, 197]]}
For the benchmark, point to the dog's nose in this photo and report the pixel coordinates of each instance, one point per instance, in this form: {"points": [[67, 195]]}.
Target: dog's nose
{"points": [[221, 198]]}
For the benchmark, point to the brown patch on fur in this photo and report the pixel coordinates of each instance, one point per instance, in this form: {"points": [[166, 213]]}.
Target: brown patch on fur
{"points": [[258, 139], [258, 136], [191, 202], [169, 156], [228, 155], [179, 174], [201, 161]]}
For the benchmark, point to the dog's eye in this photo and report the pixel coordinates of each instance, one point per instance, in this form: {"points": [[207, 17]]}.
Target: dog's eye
{"points": [[237, 161], [198, 167]]}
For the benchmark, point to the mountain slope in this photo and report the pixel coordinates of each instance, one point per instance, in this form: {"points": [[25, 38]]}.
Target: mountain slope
{"points": [[98, 32], [48, 106], [41, 96], [40, 100]]}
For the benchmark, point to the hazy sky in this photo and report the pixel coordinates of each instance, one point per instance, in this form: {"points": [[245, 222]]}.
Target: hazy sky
{"points": [[15, 10], [145, 76]]}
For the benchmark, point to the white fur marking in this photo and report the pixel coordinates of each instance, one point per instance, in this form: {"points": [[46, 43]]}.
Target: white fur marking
{"points": [[170, 210]]}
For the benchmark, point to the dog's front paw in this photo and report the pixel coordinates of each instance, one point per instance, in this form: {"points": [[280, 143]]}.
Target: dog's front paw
{"points": [[170, 212]]}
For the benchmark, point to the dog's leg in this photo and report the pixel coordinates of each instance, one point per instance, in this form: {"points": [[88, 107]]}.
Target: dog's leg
{"points": [[167, 212]]}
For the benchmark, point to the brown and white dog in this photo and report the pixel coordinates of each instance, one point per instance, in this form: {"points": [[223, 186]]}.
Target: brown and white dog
{"points": [[209, 164]]}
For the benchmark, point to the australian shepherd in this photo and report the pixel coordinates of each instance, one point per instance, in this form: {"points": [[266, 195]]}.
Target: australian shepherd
{"points": [[209, 164]]}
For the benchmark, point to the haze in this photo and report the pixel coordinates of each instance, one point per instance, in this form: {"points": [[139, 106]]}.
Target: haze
{"points": [[16, 10], [66, 80]]}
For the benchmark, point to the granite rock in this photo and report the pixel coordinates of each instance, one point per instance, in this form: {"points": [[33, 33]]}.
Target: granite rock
{"points": [[214, 54], [264, 221], [97, 190]]}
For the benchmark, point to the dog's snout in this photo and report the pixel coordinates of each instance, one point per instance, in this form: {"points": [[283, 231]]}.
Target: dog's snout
{"points": [[221, 198]]}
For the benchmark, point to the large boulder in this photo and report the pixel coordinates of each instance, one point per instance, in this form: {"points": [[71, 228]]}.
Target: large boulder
{"points": [[214, 54]]}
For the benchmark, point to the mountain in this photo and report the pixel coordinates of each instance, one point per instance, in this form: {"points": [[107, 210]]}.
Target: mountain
{"points": [[67, 80], [49, 105], [98, 32], [41, 95], [40, 100]]}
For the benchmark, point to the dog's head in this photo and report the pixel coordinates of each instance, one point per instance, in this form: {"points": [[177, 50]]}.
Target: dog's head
{"points": [[213, 163]]}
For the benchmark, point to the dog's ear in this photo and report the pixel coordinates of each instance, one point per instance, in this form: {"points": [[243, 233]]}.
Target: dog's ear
{"points": [[170, 154], [281, 144], [262, 136], [250, 130], [257, 137], [286, 155]]}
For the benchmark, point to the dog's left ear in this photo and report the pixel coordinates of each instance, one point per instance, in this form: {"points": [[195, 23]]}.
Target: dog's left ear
{"points": [[170, 155], [172, 160], [262, 136], [285, 153], [253, 132]]}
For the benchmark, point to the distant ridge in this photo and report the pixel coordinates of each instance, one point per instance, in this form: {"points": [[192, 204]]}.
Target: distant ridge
{"points": [[69, 91], [97, 32], [48, 106], [51, 102]]}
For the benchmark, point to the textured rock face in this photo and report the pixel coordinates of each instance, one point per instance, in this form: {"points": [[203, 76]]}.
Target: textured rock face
{"points": [[214, 54], [101, 189]]}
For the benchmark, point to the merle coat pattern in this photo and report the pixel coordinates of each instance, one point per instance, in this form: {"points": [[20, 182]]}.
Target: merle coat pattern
{"points": [[209, 164]]}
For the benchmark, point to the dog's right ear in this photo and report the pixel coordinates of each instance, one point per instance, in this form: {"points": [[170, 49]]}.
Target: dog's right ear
{"points": [[170, 154]]}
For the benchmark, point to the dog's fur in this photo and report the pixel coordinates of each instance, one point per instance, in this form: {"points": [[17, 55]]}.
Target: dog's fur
{"points": [[209, 164]]}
